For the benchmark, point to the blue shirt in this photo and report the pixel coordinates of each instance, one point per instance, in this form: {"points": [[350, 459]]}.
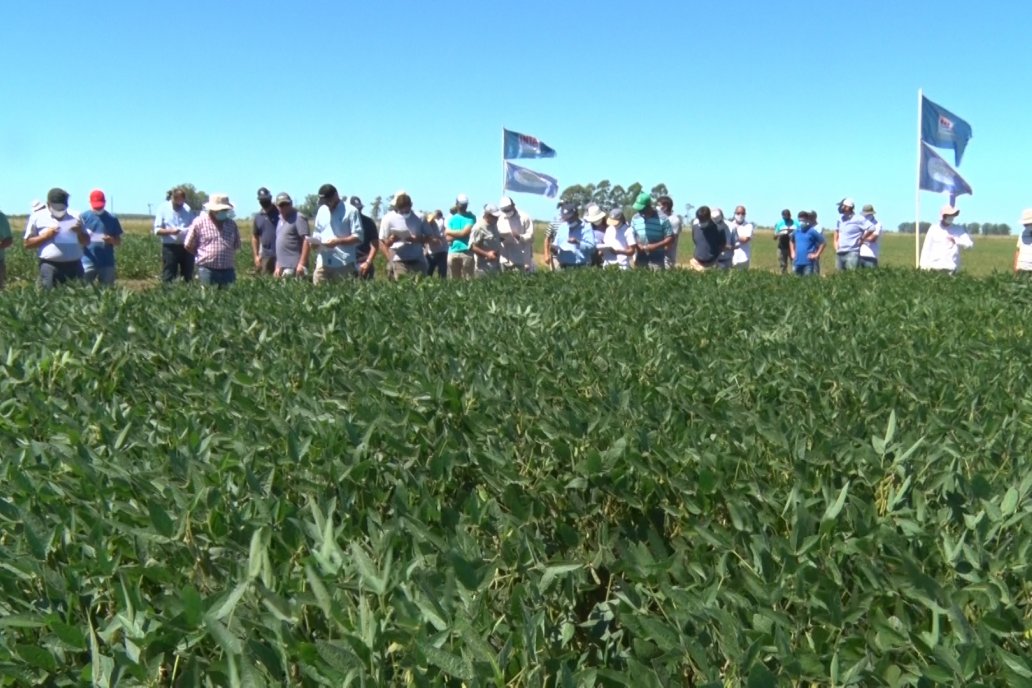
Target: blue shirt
{"points": [[265, 229], [170, 218], [96, 254], [806, 242], [851, 231], [579, 253], [342, 221]]}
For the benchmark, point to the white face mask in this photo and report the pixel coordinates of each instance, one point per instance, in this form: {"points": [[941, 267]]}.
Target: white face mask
{"points": [[740, 218], [58, 211]]}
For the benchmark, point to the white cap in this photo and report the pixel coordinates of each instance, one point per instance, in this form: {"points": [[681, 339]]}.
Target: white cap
{"points": [[849, 202], [506, 202], [462, 199]]}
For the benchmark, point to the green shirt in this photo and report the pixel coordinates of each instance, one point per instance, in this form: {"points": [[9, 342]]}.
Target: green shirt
{"points": [[5, 232], [457, 223]]}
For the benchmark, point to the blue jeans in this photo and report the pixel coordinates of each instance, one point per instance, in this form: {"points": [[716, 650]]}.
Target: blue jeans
{"points": [[655, 260], [804, 270], [102, 275], [866, 262], [849, 260], [216, 278]]}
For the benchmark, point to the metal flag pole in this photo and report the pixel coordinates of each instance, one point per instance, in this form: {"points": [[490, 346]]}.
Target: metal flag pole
{"points": [[917, 191]]}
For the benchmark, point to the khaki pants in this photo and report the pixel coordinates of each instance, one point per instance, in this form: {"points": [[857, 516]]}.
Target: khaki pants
{"points": [[699, 267], [460, 265], [413, 268], [333, 274]]}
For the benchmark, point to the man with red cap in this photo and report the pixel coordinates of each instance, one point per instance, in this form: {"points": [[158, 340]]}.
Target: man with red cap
{"points": [[98, 256]]}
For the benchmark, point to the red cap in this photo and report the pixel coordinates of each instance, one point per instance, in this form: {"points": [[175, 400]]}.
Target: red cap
{"points": [[97, 200]]}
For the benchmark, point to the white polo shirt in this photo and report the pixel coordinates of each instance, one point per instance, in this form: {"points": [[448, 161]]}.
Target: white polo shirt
{"points": [[1025, 249], [65, 246], [872, 250], [743, 252]]}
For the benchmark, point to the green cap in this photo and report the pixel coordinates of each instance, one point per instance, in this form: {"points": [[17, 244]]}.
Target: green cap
{"points": [[642, 201]]}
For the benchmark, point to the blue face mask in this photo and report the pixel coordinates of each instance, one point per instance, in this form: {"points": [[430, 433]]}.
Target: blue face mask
{"points": [[223, 215]]}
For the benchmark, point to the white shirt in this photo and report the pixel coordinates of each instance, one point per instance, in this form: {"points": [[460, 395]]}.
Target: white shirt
{"points": [[941, 249], [743, 252], [342, 221], [65, 246], [1025, 249], [873, 249], [517, 239], [621, 237], [170, 218]]}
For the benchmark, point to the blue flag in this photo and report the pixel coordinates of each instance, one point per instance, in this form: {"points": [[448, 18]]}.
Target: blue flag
{"points": [[943, 129], [528, 181], [938, 176], [522, 146]]}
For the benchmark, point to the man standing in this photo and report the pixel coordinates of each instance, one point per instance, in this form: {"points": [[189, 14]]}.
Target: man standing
{"points": [[596, 217], [806, 246], [942, 244], [870, 248], [365, 252], [173, 219], [574, 242], [292, 232], [403, 234], [263, 235], [743, 229], [517, 231], [709, 239], [5, 243], [850, 233], [487, 242], [58, 237], [783, 235], [98, 259], [459, 234], [214, 238], [338, 228], [665, 206], [437, 246], [727, 254], [1023, 254], [652, 232]]}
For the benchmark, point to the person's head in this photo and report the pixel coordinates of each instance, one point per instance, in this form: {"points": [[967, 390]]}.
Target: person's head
{"points": [[507, 206], [718, 215], [665, 204], [740, 213], [948, 213], [403, 204], [462, 203], [491, 213], [97, 201], [439, 215], [57, 203], [1026, 218], [616, 217], [804, 218], [786, 215], [284, 203], [265, 198], [328, 196], [356, 203], [847, 206], [568, 212], [868, 211], [178, 197], [219, 208], [595, 216], [643, 205], [703, 215]]}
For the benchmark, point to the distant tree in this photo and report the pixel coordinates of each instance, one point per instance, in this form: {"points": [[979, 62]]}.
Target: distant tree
{"points": [[194, 198], [376, 208], [608, 196], [1005, 229], [310, 206], [908, 227], [659, 190]]}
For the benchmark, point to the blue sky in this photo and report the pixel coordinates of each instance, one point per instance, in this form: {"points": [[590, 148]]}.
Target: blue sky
{"points": [[792, 104]]}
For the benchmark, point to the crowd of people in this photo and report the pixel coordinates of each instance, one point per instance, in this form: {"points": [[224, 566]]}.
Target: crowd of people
{"points": [[342, 242]]}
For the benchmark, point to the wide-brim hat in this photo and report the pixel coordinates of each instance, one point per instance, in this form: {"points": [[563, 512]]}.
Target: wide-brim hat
{"points": [[948, 211], [1026, 216], [594, 215], [218, 202]]}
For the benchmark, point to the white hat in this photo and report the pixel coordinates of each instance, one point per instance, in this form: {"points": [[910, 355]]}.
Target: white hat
{"points": [[593, 214], [1026, 216], [491, 209], [462, 199], [38, 205], [218, 202], [507, 206], [849, 202], [948, 211]]}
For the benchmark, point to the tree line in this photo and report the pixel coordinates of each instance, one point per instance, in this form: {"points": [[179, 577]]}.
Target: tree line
{"points": [[981, 228]]}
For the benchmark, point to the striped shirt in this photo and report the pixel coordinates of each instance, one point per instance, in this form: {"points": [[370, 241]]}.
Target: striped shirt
{"points": [[214, 247]]}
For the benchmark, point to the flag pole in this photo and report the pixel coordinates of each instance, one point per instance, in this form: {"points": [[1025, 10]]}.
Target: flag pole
{"points": [[917, 191], [503, 162]]}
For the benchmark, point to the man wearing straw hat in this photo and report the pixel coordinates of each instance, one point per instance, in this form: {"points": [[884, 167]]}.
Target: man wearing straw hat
{"points": [[214, 239], [942, 244], [870, 248]]}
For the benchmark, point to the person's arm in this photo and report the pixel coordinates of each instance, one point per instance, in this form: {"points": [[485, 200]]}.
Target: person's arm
{"points": [[80, 232], [256, 248], [236, 237], [791, 247], [527, 236], [162, 228], [35, 237], [963, 240], [190, 243], [836, 239], [114, 238]]}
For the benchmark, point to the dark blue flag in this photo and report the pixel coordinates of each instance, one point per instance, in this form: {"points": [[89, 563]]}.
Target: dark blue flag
{"points": [[519, 145], [528, 181], [938, 176], [943, 129]]}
